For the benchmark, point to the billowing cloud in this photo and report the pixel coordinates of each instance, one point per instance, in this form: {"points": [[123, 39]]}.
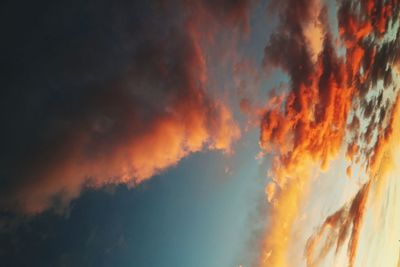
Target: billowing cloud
{"points": [[107, 93]]}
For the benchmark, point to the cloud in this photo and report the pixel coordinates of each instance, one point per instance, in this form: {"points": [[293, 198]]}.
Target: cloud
{"points": [[311, 125], [345, 223], [337, 227], [106, 93]]}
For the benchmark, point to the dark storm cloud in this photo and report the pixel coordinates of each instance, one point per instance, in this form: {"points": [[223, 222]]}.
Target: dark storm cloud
{"points": [[99, 92], [288, 47]]}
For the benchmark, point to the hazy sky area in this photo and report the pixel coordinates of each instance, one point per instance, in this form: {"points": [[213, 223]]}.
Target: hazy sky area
{"points": [[207, 133]]}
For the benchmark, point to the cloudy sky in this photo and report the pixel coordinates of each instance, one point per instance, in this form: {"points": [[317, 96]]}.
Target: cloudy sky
{"points": [[177, 133]]}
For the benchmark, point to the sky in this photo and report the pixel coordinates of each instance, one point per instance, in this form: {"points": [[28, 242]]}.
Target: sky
{"points": [[246, 133]]}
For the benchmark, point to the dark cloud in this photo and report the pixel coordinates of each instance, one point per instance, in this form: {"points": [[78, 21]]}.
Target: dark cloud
{"points": [[100, 92], [288, 47]]}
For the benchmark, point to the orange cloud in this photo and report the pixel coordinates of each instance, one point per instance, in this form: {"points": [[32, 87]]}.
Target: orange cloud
{"points": [[169, 139], [310, 128], [134, 125], [345, 222]]}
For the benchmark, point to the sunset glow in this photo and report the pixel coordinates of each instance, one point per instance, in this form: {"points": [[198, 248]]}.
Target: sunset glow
{"points": [[250, 133]]}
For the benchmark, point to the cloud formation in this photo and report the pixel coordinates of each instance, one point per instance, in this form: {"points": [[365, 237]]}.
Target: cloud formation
{"points": [[329, 94], [106, 93], [337, 227]]}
